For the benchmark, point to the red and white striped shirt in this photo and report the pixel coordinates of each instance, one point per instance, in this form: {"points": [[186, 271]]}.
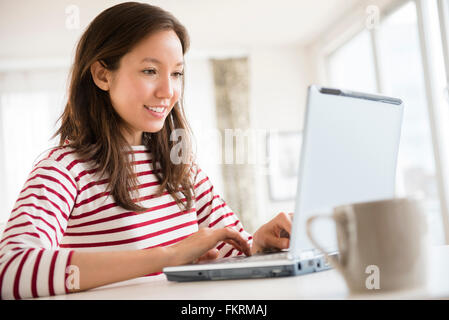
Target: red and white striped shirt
{"points": [[64, 206]]}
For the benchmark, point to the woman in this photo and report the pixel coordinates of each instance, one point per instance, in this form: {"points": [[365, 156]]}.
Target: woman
{"points": [[110, 201]]}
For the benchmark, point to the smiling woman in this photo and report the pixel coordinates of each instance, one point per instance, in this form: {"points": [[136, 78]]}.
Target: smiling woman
{"points": [[125, 99], [110, 189]]}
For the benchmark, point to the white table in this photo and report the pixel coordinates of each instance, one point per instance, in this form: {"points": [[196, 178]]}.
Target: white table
{"points": [[321, 285]]}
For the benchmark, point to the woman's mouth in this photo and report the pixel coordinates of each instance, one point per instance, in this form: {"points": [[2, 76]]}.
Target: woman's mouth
{"points": [[156, 111]]}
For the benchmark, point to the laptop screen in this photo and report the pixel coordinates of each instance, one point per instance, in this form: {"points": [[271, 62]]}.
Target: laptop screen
{"points": [[349, 154]]}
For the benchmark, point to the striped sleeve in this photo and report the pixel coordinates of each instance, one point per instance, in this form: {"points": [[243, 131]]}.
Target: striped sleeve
{"points": [[213, 212], [31, 263]]}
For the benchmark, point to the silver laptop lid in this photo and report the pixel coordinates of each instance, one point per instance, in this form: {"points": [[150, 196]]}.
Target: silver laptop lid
{"points": [[349, 154]]}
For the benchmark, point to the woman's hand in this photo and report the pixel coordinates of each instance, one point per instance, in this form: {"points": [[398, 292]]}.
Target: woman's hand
{"points": [[201, 245], [274, 235]]}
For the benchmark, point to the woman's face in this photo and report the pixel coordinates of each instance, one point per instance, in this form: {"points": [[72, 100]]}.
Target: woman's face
{"points": [[148, 83]]}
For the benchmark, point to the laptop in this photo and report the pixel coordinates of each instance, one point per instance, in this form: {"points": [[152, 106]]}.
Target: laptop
{"points": [[348, 154]]}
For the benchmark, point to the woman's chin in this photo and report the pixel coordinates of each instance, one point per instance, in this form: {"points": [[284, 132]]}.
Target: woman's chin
{"points": [[154, 128]]}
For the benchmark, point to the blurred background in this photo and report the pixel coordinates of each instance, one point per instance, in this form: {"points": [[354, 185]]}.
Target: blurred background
{"points": [[247, 74]]}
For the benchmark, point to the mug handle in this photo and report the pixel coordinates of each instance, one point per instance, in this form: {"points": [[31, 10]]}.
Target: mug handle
{"points": [[334, 261]]}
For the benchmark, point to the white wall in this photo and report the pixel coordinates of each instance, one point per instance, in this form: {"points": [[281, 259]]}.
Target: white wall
{"points": [[200, 111], [278, 82]]}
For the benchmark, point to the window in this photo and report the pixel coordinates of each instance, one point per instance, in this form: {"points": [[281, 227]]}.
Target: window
{"points": [[352, 66], [399, 68], [28, 115], [402, 74]]}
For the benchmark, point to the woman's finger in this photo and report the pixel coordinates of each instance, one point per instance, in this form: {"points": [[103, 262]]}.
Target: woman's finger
{"points": [[212, 254], [284, 222], [236, 245], [278, 243], [236, 240], [239, 245]]}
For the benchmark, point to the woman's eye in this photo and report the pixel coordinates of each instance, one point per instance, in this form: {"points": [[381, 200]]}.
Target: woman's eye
{"points": [[178, 74], [149, 71]]}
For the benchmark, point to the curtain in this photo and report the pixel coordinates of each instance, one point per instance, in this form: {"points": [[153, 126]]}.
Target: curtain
{"points": [[231, 81]]}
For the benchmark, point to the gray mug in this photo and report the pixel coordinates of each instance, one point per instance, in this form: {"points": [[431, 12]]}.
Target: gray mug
{"points": [[383, 244]]}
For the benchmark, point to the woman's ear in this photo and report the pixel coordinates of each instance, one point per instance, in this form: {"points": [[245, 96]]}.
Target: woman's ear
{"points": [[100, 75]]}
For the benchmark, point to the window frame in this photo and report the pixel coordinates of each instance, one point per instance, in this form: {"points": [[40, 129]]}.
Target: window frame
{"points": [[441, 155], [443, 11]]}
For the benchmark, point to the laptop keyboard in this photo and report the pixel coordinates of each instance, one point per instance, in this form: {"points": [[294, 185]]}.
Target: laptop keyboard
{"points": [[256, 257]]}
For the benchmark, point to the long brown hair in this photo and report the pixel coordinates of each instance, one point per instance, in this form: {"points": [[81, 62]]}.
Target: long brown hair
{"points": [[90, 123]]}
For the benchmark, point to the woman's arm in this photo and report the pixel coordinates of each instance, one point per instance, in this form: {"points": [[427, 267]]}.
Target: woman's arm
{"points": [[101, 268], [31, 262]]}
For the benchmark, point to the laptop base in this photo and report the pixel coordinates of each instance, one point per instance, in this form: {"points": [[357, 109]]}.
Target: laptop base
{"points": [[229, 271]]}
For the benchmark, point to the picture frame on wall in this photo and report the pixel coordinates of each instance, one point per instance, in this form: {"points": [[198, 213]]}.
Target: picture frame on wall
{"points": [[283, 154]]}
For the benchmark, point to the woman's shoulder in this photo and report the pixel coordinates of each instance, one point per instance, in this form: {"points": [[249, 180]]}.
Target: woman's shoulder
{"points": [[59, 156]]}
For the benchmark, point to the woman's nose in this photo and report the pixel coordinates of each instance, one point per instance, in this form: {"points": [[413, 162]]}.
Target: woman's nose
{"points": [[164, 88]]}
